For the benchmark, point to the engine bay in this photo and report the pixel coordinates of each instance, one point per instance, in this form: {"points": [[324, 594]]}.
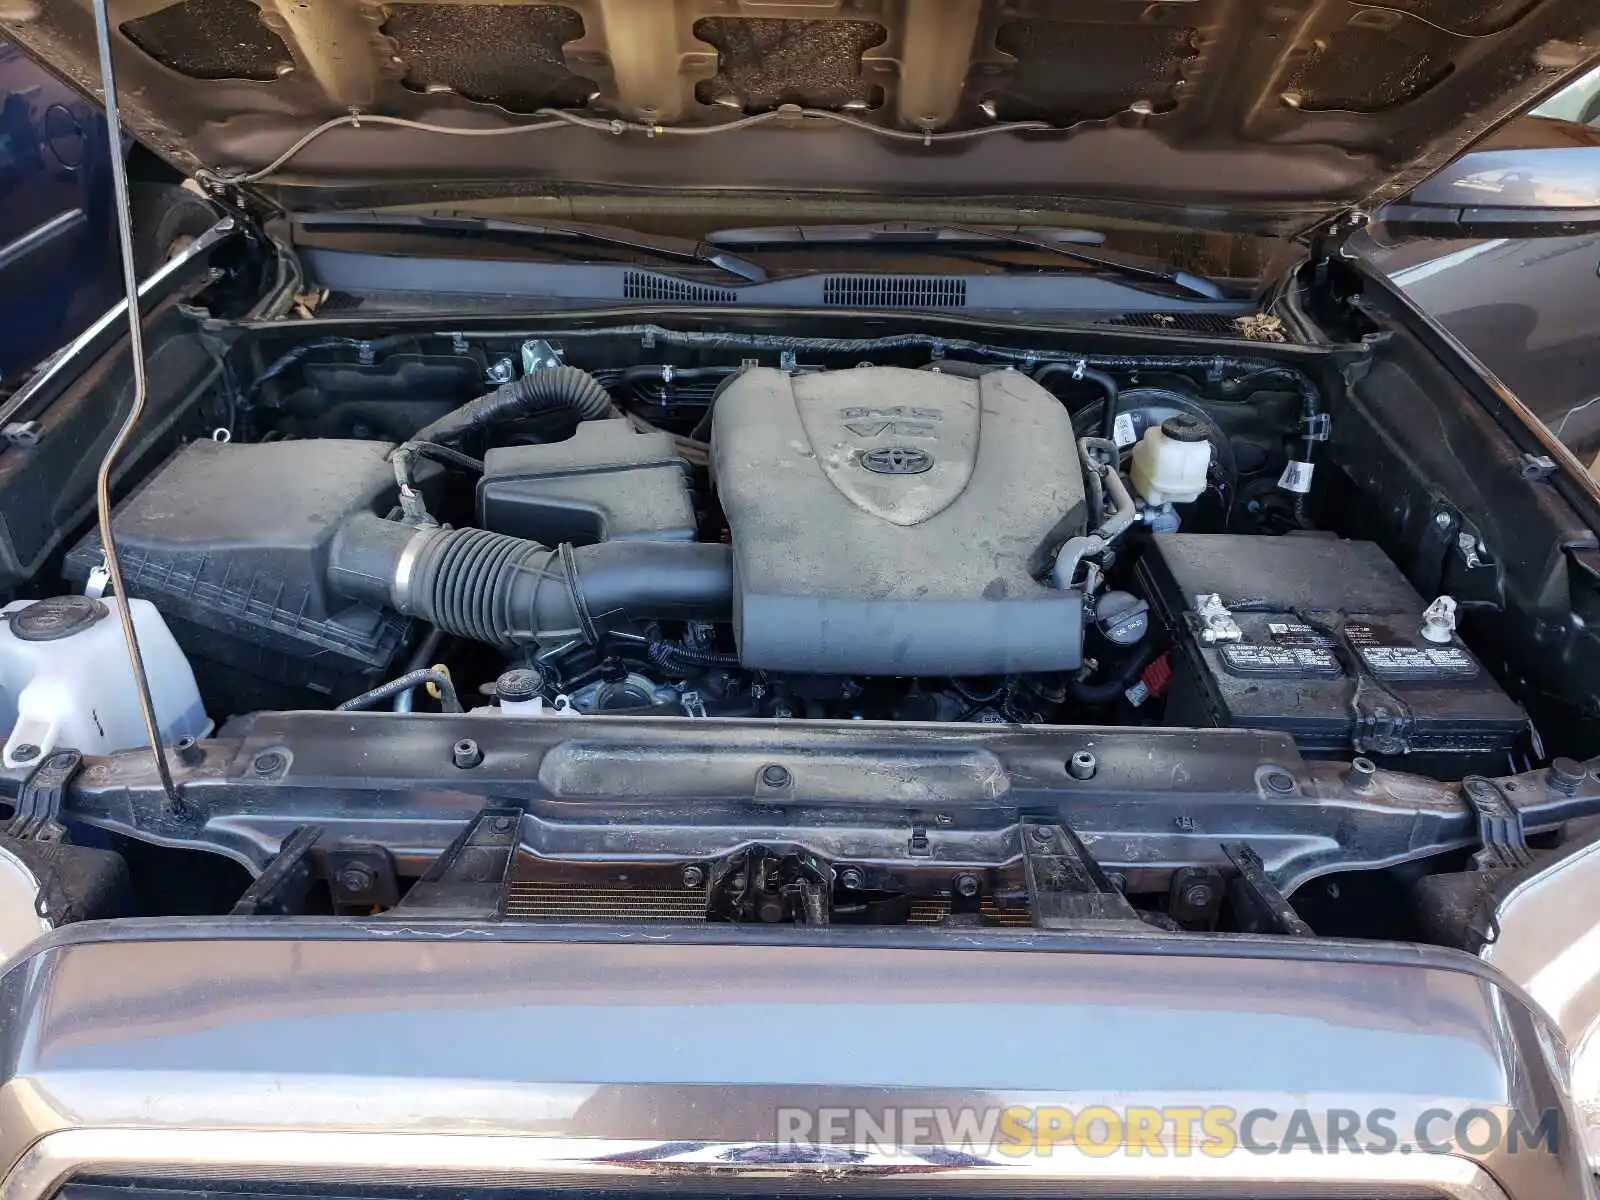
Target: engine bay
{"points": [[687, 623], [960, 539]]}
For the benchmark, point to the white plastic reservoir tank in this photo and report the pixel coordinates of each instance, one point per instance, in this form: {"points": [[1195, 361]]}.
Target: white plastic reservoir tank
{"points": [[1171, 462], [65, 679]]}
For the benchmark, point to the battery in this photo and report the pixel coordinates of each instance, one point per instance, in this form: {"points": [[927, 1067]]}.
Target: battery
{"points": [[1320, 638]]}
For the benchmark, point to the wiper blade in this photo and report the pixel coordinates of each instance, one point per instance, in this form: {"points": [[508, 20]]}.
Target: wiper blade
{"points": [[899, 233], [1065, 243], [661, 245]]}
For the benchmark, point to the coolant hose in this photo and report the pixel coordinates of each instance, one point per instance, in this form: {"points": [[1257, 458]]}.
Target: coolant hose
{"points": [[1122, 677], [1124, 512], [1081, 371], [507, 591], [550, 389]]}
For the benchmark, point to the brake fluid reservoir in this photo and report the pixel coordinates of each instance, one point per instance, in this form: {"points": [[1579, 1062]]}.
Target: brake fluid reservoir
{"points": [[1171, 461], [65, 679]]}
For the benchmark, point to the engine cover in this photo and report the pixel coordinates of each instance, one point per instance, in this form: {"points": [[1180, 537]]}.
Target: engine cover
{"points": [[888, 521]]}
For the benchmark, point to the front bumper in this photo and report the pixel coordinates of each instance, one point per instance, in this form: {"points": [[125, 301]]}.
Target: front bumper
{"points": [[354, 1054]]}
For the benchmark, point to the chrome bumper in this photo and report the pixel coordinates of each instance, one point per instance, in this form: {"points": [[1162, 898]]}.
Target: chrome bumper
{"points": [[512, 1056]]}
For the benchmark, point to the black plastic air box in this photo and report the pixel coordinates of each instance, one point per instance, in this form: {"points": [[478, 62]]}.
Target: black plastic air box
{"points": [[1317, 616], [229, 541], [604, 483]]}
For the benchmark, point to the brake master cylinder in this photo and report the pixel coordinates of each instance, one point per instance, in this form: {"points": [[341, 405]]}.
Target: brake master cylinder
{"points": [[1171, 461]]}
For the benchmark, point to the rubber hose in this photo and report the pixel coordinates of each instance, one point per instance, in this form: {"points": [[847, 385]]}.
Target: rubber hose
{"points": [[552, 389], [1124, 512], [702, 429], [507, 591], [447, 691], [1087, 374], [1122, 676], [449, 456], [681, 659], [424, 656]]}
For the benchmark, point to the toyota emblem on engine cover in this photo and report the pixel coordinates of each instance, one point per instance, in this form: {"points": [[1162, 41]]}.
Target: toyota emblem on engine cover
{"points": [[896, 460]]}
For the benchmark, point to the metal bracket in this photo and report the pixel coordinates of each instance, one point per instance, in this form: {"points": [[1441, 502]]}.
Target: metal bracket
{"points": [[770, 885], [537, 355], [98, 582], [1468, 547], [1536, 468], [1505, 844], [471, 877], [1066, 887], [22, 433], [1258, 905], [38, 811], [1383, 722], [281, 889], [361, 878], [1318, 428]]}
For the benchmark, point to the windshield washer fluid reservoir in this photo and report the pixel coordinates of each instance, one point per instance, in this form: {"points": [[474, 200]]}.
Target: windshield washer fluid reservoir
{"points": [[65, 679], [1171, 461]]}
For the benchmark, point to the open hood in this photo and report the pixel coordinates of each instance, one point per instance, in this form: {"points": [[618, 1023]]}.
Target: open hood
{"points": [[1221, 114]]}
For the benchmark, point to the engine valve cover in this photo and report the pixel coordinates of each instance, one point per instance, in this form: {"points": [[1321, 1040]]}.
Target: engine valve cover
{"points": [[888, 521]]}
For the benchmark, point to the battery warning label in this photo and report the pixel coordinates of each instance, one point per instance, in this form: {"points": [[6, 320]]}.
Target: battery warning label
{"points": [[1280, 662], [1390, 658], [1300, 651]]}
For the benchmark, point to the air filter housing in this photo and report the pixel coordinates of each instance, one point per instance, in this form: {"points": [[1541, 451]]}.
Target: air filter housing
{"points": [[229, 541]]}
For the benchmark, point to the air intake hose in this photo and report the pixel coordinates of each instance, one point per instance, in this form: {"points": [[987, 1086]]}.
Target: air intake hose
{"points": [[550, 389], [507, 591]]}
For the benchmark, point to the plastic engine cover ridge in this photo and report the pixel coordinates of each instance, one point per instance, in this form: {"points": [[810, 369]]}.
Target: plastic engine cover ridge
{"points": [[884, 521]]}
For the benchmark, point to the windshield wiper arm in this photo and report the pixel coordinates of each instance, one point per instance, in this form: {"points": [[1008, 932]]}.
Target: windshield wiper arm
{"points": [[661, 245], [1065, 243], [1122, 264]]}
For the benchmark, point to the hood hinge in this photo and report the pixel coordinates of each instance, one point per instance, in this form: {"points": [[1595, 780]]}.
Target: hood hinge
{"points": [[1327, 241]]}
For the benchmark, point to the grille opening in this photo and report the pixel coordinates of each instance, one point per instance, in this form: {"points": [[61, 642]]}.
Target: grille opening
{"points": [[893, 291], [642, 285], [575, 900]]}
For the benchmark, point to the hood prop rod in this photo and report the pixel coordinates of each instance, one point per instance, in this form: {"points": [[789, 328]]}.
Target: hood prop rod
{"points": [[130, 283]]}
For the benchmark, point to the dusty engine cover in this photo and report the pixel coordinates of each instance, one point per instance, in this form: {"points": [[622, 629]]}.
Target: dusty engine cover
{"points": [[884, 521]]}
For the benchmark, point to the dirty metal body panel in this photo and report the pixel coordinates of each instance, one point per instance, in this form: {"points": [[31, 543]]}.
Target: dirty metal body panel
{"points": [[621, 793], [327, 1051]]}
